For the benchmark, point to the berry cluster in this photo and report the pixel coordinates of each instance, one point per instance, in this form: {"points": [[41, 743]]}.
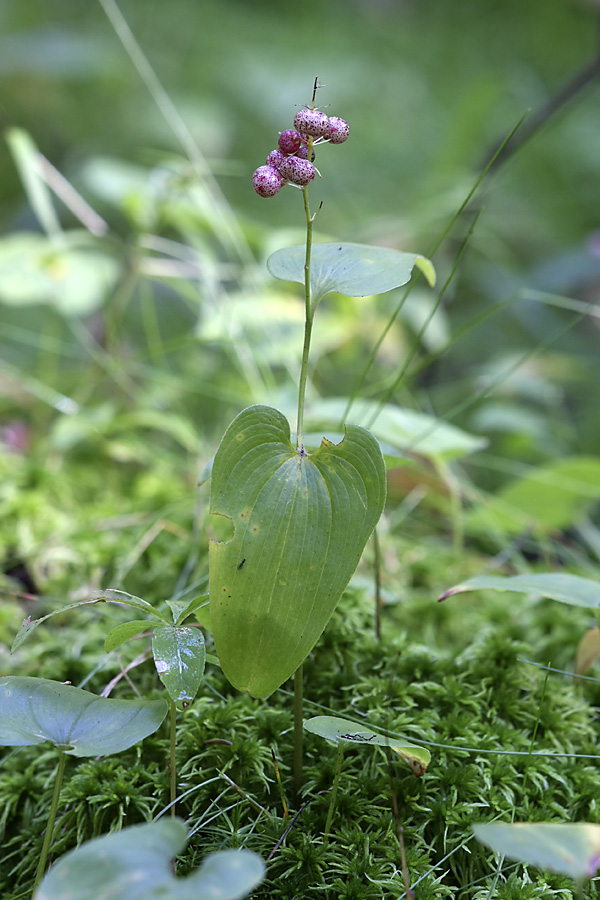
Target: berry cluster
{"points": [[290, 162]]}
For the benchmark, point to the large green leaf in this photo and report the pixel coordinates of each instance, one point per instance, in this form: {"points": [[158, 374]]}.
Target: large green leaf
{"points": [[179, 657], [571, 589], [572, 848], [135, 864], [339, 730], [35, 710], [356, 270], [301, 522]]}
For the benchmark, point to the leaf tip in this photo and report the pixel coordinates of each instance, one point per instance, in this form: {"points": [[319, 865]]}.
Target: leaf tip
{"points": [[427, 268]]}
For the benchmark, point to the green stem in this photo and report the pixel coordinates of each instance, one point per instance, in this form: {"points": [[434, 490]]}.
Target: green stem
{"points": [[172, 765], [309, 315], [298, 732], [62, 759], [334, 791], [377, 565]]}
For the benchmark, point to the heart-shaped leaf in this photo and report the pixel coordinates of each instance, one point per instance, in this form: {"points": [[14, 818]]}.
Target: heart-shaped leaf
{"points": [[356, 270], [301, 523], [571, 589], [339, 731], [134, 864], [572, 848], [35, 710], [179, 657]]}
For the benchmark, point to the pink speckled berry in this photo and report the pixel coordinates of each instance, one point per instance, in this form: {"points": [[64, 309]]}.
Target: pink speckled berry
{"points": [[338, 130], [302, 153], [298, 171], [266, 181], [289, 141], [311, 121], [275, 158]]}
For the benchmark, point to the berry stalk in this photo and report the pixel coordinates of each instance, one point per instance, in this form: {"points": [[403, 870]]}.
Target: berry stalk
{"points": [[309, 315]]}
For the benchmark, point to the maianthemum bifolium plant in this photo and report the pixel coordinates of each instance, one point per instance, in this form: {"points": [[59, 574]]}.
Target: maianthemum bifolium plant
{"points": [[301, 517]]}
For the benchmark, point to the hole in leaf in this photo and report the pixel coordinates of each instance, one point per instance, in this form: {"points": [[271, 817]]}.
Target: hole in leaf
{"points": [[222, 528]]}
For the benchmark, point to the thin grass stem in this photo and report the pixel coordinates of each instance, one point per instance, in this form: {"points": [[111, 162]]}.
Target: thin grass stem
{"points": [[60, 771]]}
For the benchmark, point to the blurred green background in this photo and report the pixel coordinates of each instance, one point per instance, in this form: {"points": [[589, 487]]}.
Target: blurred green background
{"points": [[124, 355]]}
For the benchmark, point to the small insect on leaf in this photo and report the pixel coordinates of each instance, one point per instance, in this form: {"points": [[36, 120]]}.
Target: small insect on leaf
{"points": [[241, 564]]}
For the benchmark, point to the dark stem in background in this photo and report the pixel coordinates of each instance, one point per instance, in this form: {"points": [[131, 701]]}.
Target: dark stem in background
{"points": [[377, 567], [298, 729], [536, 121]]}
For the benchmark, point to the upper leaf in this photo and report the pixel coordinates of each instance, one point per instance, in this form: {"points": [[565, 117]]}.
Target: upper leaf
{"points": [[301, 522], [356, 270], [34, 710]]}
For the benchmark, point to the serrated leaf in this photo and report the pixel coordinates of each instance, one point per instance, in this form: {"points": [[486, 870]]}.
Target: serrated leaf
{"points": [[179, 657], [561, 586], [135, 864], [356, 270], [35, 710], [301, 522], [120, 634], [30, 625], [108, 596], [339, 730], [572, 848]]}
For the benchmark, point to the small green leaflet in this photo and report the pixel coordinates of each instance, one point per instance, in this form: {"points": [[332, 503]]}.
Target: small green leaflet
{"points": [[339, 730]]}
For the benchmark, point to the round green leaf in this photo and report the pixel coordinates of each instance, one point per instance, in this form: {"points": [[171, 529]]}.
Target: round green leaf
{"points": [[339, 730], [571, 589], [301, 522], [135, 864], [356, 270], [572, 848], [179, 657], [35, 710]]}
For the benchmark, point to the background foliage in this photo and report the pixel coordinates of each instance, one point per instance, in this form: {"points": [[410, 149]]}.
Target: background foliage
{"points": [[115, 388]]}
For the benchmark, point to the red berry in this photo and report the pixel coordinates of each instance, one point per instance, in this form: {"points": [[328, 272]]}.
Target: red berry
{"points": [[311, 121], [289, 141], [298, 171], [338, 130], [275, 158], [266, 181]]}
